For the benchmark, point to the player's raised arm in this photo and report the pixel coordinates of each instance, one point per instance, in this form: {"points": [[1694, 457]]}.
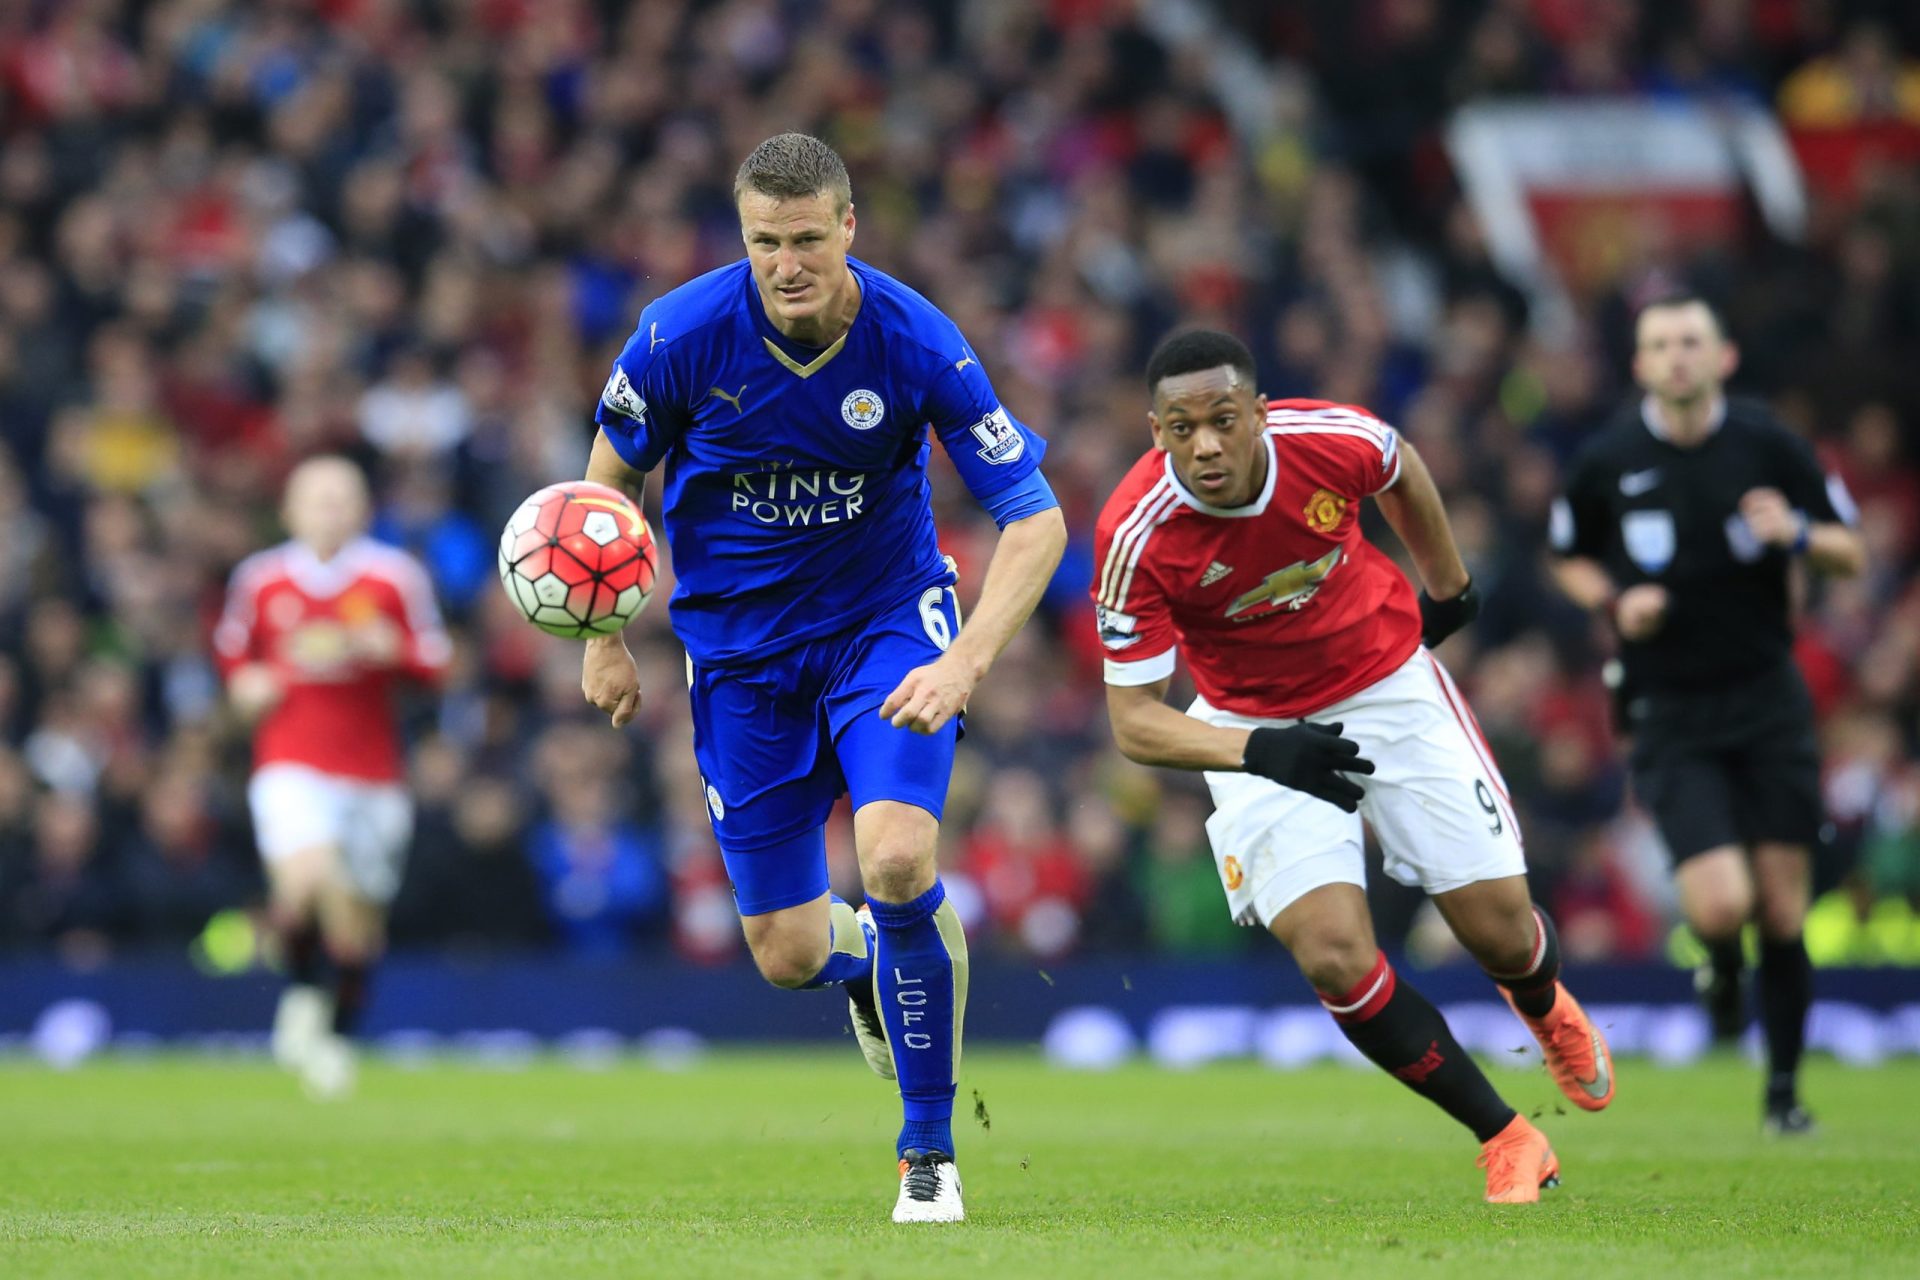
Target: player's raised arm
{"points": [[1810, 515], [1411, 503]]}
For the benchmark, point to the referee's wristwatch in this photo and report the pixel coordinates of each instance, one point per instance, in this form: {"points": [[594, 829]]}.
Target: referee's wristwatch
{"points": [[1803, 539]]}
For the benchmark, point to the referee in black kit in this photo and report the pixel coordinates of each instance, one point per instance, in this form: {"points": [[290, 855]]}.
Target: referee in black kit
{"points": [[1682, 519]]}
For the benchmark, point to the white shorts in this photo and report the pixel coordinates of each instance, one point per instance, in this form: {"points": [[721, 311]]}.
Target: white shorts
{"points": [[1435, 800], [298, 807]]}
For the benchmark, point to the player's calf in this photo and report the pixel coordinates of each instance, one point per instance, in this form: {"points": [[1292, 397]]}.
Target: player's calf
{"points": [[1403, 1034], [921, 985], [1574, 1051]]}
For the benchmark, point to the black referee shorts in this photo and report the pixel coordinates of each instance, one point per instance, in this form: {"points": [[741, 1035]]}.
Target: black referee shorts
{"points": [[1734, 766]]}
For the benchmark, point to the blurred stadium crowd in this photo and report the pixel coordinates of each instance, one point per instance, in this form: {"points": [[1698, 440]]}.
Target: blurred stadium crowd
{"points": [[233, 234]]}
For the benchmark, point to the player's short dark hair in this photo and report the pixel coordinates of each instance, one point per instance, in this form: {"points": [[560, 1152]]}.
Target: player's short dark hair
{"points": [[1683, 298], [1198, 349], [791, 166]]}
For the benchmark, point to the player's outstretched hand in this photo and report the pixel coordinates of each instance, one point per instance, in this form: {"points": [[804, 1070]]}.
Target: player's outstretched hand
{"points": [[609, 678], [928, 697], [1309, 757]]}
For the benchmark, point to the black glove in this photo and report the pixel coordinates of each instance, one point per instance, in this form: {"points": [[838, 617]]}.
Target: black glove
{"points": [[1309, 757], [1441, 618]]}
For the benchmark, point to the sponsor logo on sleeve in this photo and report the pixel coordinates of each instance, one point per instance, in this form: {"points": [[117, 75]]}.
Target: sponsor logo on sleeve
{"points": [[1117, 630], [1000, 441], [620, 397]]}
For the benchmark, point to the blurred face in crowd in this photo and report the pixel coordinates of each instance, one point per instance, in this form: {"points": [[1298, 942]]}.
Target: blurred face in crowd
{"points": [[798, 247], [326, 505], [1210, 422], [1680, 356]]}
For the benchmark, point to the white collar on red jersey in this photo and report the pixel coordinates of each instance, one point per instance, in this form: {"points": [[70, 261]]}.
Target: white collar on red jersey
{"points": [[1257, 507], [321, 578]]}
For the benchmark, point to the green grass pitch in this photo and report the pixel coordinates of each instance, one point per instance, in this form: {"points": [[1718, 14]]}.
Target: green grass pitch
{"points": [[779, 1164]]}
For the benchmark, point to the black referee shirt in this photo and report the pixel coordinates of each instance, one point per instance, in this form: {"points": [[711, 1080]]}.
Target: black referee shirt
{"points": [[1651, 511]]}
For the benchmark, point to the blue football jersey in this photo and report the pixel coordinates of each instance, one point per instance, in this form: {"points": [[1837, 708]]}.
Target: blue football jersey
{"points": [[797, 501]]}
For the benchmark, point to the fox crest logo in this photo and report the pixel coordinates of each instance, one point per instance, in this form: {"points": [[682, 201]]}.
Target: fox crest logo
{"points": [[1325, 510], [862, 410], [1231, 873]]}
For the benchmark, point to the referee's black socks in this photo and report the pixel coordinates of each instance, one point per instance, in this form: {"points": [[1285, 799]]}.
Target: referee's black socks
{"points": [[1401, 1031], [1786, 993], [1725, 957], [1534, 988]]}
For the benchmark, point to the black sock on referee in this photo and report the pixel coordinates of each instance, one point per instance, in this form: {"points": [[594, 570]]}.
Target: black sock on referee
{"points": [[300, 952], [350, 983], [1726, 957], [1786, 993], [1401, 1031], [1535, 988]]}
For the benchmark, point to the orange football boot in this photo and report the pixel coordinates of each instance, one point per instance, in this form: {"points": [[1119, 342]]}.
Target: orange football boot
{"points": [[1575, 1051], [1519, 1163]]}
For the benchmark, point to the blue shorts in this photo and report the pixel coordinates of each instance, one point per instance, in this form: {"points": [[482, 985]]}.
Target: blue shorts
{"points": [[777, 745]]}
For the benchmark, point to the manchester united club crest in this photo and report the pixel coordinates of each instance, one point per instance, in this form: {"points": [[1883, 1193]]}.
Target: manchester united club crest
{"points": [[1231, 873], [1325, 510]]}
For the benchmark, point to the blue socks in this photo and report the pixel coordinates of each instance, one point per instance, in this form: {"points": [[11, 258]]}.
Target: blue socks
{"points": [[850, 958], [920, 977]]}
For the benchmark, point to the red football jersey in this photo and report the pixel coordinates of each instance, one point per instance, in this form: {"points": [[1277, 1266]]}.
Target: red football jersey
{"points": [[301, 616], [1281, 607]]}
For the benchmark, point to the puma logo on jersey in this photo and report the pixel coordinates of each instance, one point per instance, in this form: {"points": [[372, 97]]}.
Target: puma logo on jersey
{"points": [[961, 364], [1292, 586], [733, 399], [1214, 573], [653, 336]]}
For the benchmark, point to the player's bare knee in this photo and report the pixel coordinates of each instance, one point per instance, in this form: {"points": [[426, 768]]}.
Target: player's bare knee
{"points": [[1720, 916], [1782, 916], [788, 969], [897, 871], [1333, 962], [786, 959]]}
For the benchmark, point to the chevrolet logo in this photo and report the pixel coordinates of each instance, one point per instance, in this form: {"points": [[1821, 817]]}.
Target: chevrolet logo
{"points": [[733, 399], [1283, 585]]}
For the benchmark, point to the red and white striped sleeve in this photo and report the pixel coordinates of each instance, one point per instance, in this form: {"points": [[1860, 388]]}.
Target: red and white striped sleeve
{"points": [[428, 651], [236, 635], [1136, 625], [1372, 445]]}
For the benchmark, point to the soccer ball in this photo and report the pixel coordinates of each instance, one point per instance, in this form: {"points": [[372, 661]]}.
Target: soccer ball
{"points": [[578, 560]]}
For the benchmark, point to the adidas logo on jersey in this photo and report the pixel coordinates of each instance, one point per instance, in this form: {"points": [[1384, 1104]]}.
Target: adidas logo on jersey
{"points": [[1214, 573]]}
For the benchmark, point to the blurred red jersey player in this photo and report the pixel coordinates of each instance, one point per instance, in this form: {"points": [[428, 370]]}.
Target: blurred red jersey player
{"points": [[317, 635]]}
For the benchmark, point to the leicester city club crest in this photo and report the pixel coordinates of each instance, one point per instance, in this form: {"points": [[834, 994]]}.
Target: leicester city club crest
{"points": [[862, 410]]}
